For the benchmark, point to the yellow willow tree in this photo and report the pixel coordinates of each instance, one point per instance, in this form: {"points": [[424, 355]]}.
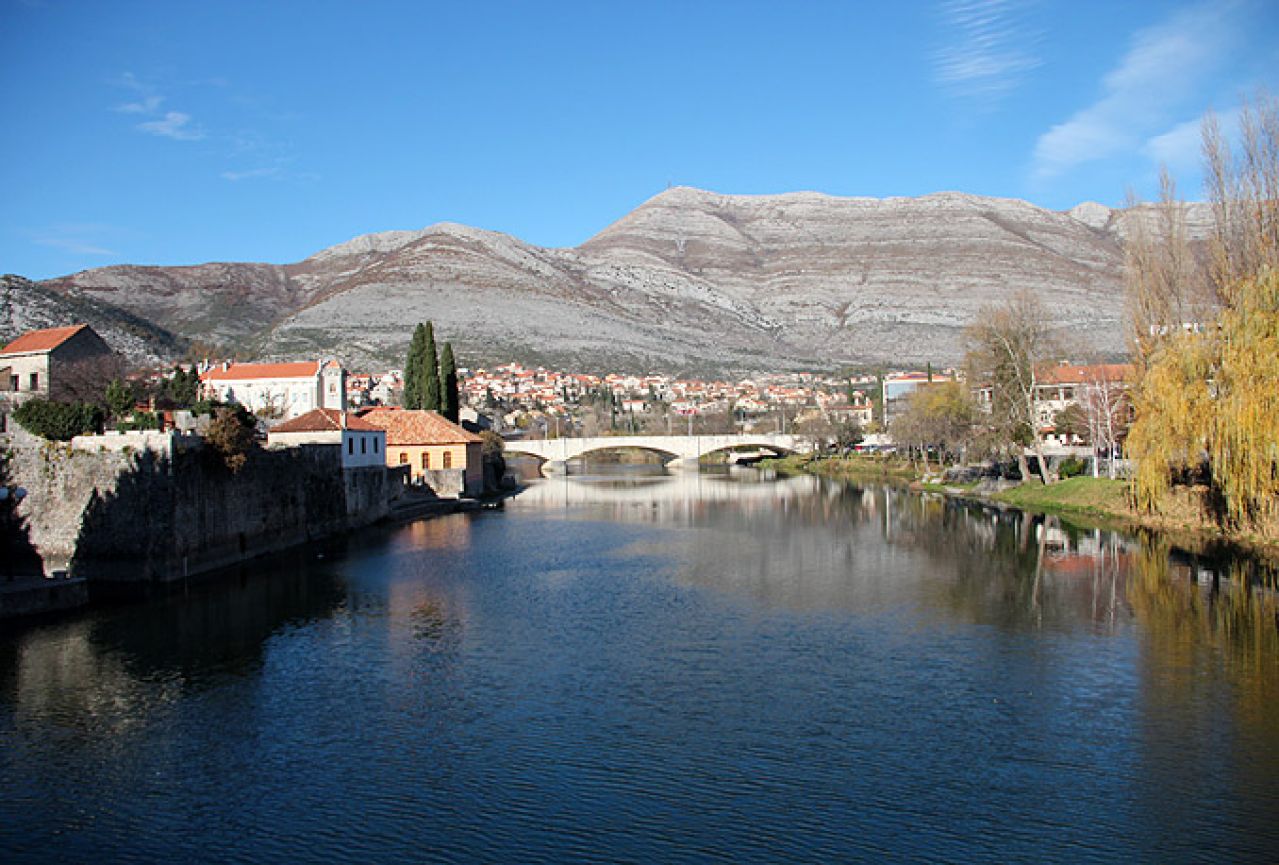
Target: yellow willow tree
{"points": [[1210, 399]]}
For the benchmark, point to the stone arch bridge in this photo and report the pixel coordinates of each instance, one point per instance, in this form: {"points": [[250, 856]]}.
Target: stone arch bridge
{"points": [[676, 450]]}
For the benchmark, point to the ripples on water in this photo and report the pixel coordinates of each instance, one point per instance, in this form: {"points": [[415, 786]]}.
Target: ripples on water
{"points": [[671, 669]]}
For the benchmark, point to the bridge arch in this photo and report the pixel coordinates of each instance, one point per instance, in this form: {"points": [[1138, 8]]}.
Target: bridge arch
{"points": [[689, 449]]}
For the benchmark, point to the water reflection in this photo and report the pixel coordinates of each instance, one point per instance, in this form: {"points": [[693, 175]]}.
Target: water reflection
{"points": [[671, 668]]}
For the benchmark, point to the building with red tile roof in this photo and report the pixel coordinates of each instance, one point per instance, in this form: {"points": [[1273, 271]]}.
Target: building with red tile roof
{"points": [[31, 365], [278, 390], [439, 452], [362, 444]]}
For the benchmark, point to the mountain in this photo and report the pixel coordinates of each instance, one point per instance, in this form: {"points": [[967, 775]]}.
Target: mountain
{"points": [[688, 280], [25, 305]]}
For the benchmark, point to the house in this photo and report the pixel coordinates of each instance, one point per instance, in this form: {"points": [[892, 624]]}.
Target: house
{"points": [[278, 391], [37, 363], [1095, 388], [440, 453], [362, 444]]}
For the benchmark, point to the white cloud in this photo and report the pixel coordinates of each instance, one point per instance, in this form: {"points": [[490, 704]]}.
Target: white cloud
{"points": [[251, 173], [1181, 147], [990, 50], [146, 105], [1165, 65], [175, 125], [75, 239]]}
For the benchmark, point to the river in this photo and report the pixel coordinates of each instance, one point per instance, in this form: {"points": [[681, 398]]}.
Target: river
{"points": [[698, 668]]}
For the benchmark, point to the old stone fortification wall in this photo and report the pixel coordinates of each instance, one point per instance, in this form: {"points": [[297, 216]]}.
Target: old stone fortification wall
{"points": [[143, 516]]}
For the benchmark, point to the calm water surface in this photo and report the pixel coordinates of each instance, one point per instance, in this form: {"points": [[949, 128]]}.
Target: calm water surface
{"points": [[682, 669]]}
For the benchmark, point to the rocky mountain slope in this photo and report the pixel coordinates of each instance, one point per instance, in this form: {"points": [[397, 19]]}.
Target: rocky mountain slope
{"points": [[688, 280], [25, 305]]}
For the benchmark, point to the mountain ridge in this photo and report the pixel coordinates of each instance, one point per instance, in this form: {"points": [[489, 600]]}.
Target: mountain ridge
{"points": [[689, 279]]}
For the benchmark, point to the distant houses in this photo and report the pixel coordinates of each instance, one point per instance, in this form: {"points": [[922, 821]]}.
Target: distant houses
{"points": [[278, 391]]}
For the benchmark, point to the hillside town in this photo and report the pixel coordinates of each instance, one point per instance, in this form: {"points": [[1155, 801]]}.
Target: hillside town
{"points": [[320, 402]]}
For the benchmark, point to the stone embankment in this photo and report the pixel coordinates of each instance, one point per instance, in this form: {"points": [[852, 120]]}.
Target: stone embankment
{"points": [[126, 516]]}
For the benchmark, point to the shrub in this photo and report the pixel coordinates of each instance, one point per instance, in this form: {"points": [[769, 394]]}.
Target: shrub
{"points": [[142, 420], [1071, 468], [59, 421], [232, 433]]}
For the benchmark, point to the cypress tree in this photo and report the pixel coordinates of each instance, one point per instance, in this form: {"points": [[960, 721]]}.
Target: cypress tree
{"points": [[413, 370], [430, 373], [448, 383]]}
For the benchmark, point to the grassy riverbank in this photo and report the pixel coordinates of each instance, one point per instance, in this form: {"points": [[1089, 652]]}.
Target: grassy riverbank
{"points": [[1095, 499]]}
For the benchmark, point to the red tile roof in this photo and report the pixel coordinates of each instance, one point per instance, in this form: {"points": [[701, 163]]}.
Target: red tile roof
{"points": [[1077, 374], [324, 420], [405, 427], [42, 340], [250, 371]]}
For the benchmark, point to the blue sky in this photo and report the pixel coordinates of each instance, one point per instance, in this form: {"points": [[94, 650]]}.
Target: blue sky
{"points": [[180, 132]]}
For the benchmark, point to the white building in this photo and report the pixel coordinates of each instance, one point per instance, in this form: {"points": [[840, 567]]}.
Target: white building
{"points": [[278, 391], [363, 445]]}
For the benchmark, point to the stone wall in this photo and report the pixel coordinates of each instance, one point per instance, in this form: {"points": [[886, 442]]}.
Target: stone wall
{"points": [[143, 516]]}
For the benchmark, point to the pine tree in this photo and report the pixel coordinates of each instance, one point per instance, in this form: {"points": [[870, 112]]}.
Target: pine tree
{"points": [[448, 382], [412, 397], [430, 373]]}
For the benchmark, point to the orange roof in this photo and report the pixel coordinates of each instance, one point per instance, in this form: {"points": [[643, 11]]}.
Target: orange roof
{"points": [[324, 420], [42, 340], [1069, 373], [405, 427], [249, 371]]}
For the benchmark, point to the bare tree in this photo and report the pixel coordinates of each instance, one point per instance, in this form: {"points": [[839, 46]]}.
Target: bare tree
{"points": [[1166, 286], [1106, 407], [1007, 348], [1244, 191]]}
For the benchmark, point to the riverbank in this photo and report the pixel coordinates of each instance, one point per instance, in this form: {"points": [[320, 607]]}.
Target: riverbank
{"points": [[1098, 500]]}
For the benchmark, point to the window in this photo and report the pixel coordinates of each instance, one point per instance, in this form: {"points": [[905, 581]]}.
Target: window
{"points": [[448, 459], [13, 382], [364, 445], [374, 445], [350, 447], [404, 458], [426, 460], [35, 381]]}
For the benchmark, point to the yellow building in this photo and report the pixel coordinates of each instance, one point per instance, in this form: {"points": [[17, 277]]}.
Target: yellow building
{"points": [[439, 453]]}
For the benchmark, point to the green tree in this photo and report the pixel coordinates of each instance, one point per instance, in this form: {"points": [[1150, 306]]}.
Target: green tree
{"points": [[183, 387], [59, 421], [431, 390], [119, 398], [413, 369], [448, 383]]}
